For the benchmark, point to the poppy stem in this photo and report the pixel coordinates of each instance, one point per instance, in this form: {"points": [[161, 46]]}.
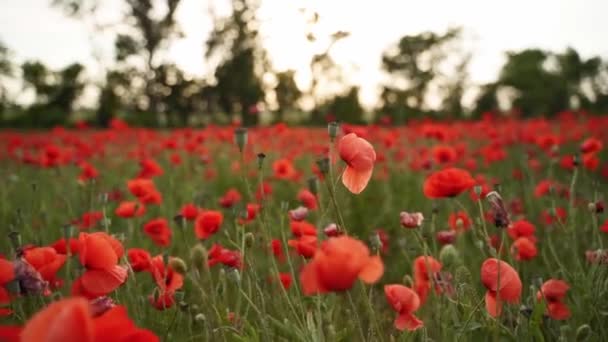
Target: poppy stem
{"points": [[483, 226], [332, 195]]}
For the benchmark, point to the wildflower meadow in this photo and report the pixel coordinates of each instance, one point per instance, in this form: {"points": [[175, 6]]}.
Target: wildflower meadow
{"points": [[485, 230]]}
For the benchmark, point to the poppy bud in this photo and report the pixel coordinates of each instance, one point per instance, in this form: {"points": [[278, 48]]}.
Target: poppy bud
{"points": [[313, 185], [249, 239], [411, 220], [500, 214], [449, 255], [100, 305], [376, 242], [583, 333], [199, 317], [178, 265], [323, 165], [332, 130], [477, 189], [408, 281], [261, 157], [240, 138], [332, 230], [234, 275], [198, 254], [298, 214]]}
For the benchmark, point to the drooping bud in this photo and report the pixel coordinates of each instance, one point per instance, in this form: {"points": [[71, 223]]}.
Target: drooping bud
{"points": [[240, 138], [500, 214], [178, 265], [446, 237], [29, 280], [249, 239], [298, 214], [583, 333], [332, 230], [411, 220]]}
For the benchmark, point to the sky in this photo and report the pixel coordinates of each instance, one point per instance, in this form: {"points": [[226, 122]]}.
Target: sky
{"points": [[33, 29]]}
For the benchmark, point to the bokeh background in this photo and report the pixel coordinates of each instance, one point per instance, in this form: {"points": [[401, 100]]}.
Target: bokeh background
{"points": [[168, 63]]}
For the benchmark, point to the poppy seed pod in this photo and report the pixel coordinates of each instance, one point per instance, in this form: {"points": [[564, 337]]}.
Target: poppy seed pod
{"points": [[240, 138], [332, 129], [323, 165], [198, 254], [261, 157], [313, 185]]}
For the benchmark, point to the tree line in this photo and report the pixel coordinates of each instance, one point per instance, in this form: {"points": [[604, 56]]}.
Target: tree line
{"points": [[140, 87]]}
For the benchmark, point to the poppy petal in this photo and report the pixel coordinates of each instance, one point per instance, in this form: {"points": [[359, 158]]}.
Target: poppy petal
{"points": [[310, 280], [102, 282], [355, 181], [558, 311], [372, 272], [493, 306], [407, 321], [67, 320]]}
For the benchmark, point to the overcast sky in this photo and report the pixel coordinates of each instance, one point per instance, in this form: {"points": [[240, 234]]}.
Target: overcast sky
{"points": [[34, 30]]}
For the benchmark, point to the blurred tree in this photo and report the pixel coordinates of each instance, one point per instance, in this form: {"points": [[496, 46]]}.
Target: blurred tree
{"points": [[55, 91], [6, 70], [241, 61], [412, 65], [287, 93], [346, 107], [454, 89], [546, 83], [154, 25]]}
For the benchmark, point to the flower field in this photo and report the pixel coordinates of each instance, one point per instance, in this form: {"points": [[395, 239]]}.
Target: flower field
{"points": [[470, 230]]}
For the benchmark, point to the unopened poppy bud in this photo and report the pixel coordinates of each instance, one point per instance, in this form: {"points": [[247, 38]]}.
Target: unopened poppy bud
{"points": [[499, 211], [576, 160], [313, 185], [376, 242], [446, 237], [178, 265], [100, 305], [526, 311], [234, 275], [332, 230], [411, 220], [583, 333], [477, 189], [407, 280], [298, 214], [15, 238], [249, 239], [199, 317], [323, 165], [449, 256], [332, 130], [240, 138], [261, 157], [198, 254]]}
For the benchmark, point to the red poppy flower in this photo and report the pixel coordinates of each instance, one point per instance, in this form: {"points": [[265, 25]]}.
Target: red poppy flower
{"points": [[277, 249], [62, 247], [158, 230], [128, 209], [446, 237], [524, 249], [337, 264], [286, 280], [230, 198], [99, 251], [521, 228], [425, 269], [554, 292], [220, 255], [443, 154], [405, 302], [149, 168], [189, 211], [448, 183], [167, 281], [96, 283], [359, 156], [139, 259], [305, 245], [300, 228], [283, 169], [46, 261], [252, 212], [89, 220], [591, 145], [507, 288], [145, 191], [308, 199], [207, 223], [87, 172], [264, 191], [459, 221]]}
